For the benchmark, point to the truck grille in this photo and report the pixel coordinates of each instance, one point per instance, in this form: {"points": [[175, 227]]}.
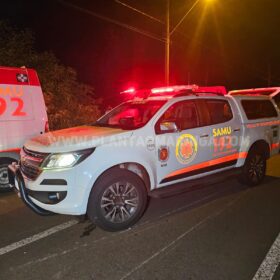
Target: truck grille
{"points": [[30, 162]]}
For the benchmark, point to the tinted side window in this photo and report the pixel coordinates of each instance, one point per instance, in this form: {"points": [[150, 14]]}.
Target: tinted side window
{"points": [[184, 114], [259, 109], [219, 110]]}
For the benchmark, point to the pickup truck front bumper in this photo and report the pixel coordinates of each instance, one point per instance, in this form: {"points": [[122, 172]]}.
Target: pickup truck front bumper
{"points": [[21, 190]]}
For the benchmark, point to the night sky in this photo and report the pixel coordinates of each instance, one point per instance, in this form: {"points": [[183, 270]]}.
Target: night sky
{"points": [[227, 42]]}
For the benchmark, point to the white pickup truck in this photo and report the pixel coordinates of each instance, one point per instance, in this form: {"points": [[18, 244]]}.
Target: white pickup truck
{"points": [[143, 147]]}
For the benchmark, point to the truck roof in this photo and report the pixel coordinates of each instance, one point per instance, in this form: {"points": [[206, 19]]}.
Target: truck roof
{"points": [[254, 91], [254, 97]]}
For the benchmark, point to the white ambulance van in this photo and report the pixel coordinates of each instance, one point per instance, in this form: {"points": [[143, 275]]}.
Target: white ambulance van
{"points": [[22, 115]]}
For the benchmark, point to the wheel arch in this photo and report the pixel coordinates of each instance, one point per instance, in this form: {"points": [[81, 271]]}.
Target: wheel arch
{"points": [[94, 206], [133, 167], [8, 156], [261, 145]]}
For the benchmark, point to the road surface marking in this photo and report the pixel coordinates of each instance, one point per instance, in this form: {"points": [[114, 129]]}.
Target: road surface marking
{"points": [[269, 265], [131, 231], [180, 237], [36, 237]]}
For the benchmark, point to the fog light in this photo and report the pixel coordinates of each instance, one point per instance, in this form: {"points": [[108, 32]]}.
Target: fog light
{"points": [[54, 196]]}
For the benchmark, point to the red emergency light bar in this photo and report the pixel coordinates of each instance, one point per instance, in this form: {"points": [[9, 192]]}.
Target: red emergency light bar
{"points": [[162, 90], [215, 89], [220, 90], [129, 90], [171, 91], [175, 89]]}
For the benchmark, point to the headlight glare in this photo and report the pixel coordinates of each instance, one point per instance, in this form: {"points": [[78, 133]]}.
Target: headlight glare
{"points": [[65, 160], [60, 161]]}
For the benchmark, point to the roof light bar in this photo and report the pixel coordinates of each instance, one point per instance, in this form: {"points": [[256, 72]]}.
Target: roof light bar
{"points": [[129, 90], [221, 90], [162, 90], [173, 89]]}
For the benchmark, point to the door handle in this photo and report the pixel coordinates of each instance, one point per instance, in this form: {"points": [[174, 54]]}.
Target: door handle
{"points": [[236, 130], [204, 136]]}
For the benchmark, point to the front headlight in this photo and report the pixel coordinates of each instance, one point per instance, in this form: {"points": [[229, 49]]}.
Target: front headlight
{"points": [[65, 160]]}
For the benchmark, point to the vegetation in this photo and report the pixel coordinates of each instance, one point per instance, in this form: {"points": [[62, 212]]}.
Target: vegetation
{"points": [[69, 102]]}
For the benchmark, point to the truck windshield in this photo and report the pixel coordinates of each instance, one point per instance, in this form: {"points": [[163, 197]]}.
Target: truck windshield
{"points": [[131, 115]]}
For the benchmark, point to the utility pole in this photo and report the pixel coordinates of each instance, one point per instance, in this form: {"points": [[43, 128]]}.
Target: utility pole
{"points": [[170, 33], [167, 43]]}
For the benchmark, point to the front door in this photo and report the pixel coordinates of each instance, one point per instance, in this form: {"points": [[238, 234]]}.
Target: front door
{"points": [[179, 143]]}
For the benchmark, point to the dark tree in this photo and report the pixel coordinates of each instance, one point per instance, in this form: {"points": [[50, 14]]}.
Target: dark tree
{"points": [[69, 102]]}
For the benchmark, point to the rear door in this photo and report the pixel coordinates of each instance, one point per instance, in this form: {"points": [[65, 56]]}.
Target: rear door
{"points": [[225, 131], [263, 121], [22, 109], [16, 110]]}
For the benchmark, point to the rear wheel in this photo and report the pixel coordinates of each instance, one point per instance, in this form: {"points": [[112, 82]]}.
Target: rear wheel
{"points": [[253, 172], [6, 181], [117, 201]]}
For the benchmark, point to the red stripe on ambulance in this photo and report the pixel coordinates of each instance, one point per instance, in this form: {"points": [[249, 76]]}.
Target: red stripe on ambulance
{"points": [[9, 76], [16, 150]]}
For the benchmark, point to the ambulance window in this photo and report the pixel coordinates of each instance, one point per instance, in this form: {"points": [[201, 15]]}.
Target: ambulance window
{"points": [[219, 110], [259, 109], [184, 114]]}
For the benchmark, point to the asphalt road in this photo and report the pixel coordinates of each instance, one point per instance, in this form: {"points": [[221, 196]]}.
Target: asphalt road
{"points": [[222, 231]]}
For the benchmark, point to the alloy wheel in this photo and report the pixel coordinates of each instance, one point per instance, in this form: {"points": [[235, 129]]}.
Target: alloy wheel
{"points": [[119, 202], [256, 168]]}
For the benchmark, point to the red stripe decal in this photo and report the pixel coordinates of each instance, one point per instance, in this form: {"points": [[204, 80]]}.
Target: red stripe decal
{"points": [[16, 150], [207, 164], [262, 124], [9, 76]]}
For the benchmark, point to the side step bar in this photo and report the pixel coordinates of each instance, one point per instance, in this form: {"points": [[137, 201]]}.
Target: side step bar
{"points": [[194, 184]]}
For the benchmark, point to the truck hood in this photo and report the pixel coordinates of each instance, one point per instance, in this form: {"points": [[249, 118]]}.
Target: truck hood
{"points": [[77, 138]]}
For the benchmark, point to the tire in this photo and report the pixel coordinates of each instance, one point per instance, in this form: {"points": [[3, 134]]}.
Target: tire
{"points": [[254, 169], [117, 200], [5, 181]]}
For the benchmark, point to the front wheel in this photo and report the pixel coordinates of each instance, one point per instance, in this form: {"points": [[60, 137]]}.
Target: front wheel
{"points": [[117, 201], [254, 170]]}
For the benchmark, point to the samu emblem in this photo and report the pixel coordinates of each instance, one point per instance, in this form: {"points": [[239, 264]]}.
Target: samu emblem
{"points": [[186, 148]]}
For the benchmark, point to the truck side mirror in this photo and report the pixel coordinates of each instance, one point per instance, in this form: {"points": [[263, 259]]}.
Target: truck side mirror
{"points": [[168, 127]]}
